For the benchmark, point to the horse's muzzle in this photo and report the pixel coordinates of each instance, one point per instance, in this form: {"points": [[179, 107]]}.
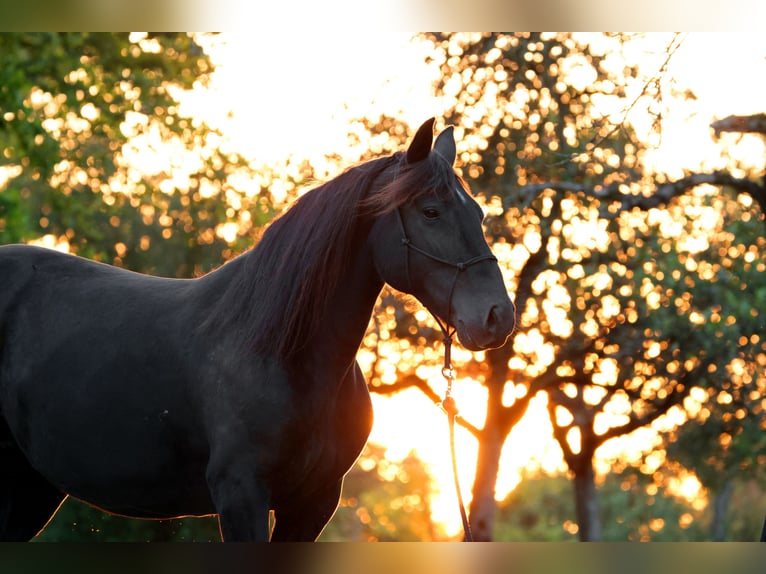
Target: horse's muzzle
{"points": [[491, 332]]}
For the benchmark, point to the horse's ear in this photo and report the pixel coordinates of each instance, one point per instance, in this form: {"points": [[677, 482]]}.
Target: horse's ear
{"points": [[445, 145], [421, 143]]}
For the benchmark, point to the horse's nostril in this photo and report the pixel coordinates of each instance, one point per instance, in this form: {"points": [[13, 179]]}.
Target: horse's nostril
{"points": [[492, 322], [500, 319]]}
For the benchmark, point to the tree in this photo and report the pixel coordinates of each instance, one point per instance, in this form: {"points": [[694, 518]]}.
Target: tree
{"points": [[631, 303], [666, 344], [384, 501], [723, 442], [98, 155], [520, 123], [606, 283], [635, 509]]}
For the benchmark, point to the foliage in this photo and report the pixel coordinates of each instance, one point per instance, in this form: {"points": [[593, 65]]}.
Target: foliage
{"points": [[620, 279], [723, 443], [639, 300], [633, 508], [528, 104], [78, 522], [384, 501], [540, 509], [76, 110], [521, 120]]}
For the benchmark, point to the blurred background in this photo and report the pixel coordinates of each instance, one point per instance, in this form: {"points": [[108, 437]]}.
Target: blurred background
{"points": [[622, 177]]}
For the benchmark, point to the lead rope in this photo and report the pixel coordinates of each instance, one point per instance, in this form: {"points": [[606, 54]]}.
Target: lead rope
{"points": [[449, 405]]}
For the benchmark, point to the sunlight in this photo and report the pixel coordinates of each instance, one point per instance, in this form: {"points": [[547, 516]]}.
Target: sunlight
{"points": [[711, 72], [284, 119], [52, 242], [303, 104], [530, 446], [7, 173], [688, 487], [307, 112], [409, 421]]}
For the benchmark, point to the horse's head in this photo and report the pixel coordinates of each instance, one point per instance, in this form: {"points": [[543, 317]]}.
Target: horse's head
{"points": [[429, 242]]}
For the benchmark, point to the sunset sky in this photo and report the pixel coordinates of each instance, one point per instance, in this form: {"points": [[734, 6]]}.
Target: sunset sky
{"points": [[294, 95]]}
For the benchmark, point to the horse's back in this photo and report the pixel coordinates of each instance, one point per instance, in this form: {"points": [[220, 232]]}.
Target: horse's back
{"points": [[46, 279], [53, 301], [18, 264], [30, 269], [24, 259]]}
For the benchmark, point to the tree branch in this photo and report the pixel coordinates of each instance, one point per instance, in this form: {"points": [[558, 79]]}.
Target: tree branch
{"points": [[413, 381], [661, 407], [671, 49], [662, 195], [742, 124], [666, 192]]}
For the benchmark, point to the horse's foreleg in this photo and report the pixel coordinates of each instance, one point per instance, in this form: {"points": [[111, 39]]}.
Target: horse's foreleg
{"points": [[27, 500], [241, 503], [305, 522]]}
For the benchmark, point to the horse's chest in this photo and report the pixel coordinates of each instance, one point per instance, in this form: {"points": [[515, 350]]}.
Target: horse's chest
{"points": [[325, 442]]}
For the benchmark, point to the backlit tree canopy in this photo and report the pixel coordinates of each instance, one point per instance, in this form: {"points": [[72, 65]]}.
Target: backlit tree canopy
{"points": [[99, 155], [636, 295], [640, 296]]}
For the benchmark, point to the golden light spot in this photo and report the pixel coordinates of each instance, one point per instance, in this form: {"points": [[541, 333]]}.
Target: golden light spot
{"points": [[654, 350], [724, 398], [571, 527], [593, 394], [574, 440], [52, 242], [685, 520], [364, 516], [563, 416], [227, 231]]}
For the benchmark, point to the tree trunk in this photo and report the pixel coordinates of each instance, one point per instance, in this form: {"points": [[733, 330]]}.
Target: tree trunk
{"points": [[483, 505], [721, 511], [498, 423], [586, 502]]}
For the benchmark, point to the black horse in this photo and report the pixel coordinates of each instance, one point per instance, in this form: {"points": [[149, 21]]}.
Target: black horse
{"points": [[236, 393]]}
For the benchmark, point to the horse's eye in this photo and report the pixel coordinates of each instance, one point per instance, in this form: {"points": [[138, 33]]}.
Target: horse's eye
{"points": [[431, 213]]}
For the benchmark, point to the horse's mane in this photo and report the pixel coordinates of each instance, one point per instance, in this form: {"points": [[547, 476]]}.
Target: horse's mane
{"points": [[279, 296]]}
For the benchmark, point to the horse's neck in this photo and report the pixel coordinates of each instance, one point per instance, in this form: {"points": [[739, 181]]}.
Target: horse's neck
{"points": [[344, 321], [348, 313]]}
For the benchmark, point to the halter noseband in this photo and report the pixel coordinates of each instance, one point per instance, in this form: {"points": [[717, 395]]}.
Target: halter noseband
{"points": [[447, 328]]}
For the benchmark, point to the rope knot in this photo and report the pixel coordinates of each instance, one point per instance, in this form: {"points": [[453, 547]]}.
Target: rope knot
{"points": [[450, 406]]}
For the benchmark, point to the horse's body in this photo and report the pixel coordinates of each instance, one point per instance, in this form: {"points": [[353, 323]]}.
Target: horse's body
{"points": [[237, 392]]}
